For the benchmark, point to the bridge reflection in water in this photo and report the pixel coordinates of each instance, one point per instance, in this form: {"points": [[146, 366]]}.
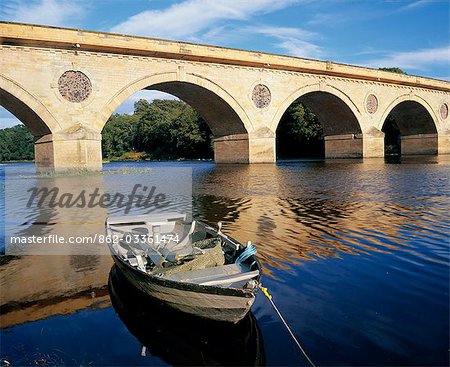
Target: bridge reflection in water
{"points": [[290, 218], [390, 217], [181, 339]]}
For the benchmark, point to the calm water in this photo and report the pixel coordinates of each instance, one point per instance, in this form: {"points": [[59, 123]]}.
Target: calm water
{"points": [[356, 256]]}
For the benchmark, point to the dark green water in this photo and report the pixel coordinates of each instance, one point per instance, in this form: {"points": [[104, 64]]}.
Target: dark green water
{"points": [[356, 256]]}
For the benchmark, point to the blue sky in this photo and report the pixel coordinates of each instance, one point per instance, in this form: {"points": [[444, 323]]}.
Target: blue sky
{"points": [[413, 35]]}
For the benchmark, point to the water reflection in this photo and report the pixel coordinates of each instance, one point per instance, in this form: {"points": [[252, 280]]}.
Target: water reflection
{"points": [[316, 210], [293, 212], [180, 339], [50, 301], [43, 218], [347, 248]]}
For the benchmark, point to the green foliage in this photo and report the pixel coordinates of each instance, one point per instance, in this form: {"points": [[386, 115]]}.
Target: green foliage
{"points": [[392, 137], [169, 129], [393, 70], [299, 133], [141, 106], [164, 129], [119, 135], [16, 144]]}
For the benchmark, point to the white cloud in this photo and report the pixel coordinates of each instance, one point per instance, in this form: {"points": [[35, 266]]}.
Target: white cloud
{"points": [[322, 18], [293, 41], [220, 35], [128, 105], [7, 119], [369, 50], [284, 32], [328, 19], [416, 5], [201, 21], [45, 12], [301, 48], [190, 17], [8, 122], [416, 60]]}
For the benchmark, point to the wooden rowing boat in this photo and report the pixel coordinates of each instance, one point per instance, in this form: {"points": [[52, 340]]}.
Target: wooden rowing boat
{"points": [[187, 264], [180, 339]]}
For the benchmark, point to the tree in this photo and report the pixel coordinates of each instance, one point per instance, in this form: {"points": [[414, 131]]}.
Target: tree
{"points": [[392, 137], [16, 144], [393, 70], [171, 129], [119, 135], [299, 133], [163, 129], [141, 106]]}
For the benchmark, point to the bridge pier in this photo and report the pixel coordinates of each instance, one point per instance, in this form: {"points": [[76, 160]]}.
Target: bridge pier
{"points": [[242, 149], [68, 150], [231, 149], [420, 144], [262, 149], [443, 144], [344, 146], [54, 87], [373, 146]]}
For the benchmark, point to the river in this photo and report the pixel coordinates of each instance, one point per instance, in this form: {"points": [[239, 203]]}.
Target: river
{"points": [[355, 255]]}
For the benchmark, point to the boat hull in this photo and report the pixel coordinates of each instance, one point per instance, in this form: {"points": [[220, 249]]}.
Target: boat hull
{"points": [[215, 303], [180, 339]]}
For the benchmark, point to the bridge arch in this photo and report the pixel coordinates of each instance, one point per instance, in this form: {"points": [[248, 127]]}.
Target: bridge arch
{"points": [[220, 110], [410, 98], [27, 108], [337, 113], [410, 126], [227, 120], [312, 88]]}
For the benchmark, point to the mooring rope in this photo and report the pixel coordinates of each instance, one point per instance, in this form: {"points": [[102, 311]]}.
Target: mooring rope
{"points": [[269, 297], [250, 250]]}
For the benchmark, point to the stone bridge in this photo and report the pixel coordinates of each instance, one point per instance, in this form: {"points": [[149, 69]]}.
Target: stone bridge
{"points": [[64, 84]]}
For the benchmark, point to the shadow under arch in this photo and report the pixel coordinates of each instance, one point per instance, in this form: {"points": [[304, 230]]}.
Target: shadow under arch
{"points": [[337, 114], [410, 127], [27, 108], [226, 119], [220, 110]]}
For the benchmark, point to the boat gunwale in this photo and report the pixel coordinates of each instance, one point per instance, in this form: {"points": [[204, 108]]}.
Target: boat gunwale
{"points": [[193, 287]]}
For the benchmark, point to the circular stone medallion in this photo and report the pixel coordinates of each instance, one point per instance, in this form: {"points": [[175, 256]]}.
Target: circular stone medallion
{"points": [[74, 86], [444, 111], [261, 96], [371, 103]]}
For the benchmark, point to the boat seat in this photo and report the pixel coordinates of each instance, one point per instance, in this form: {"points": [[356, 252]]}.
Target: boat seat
{"points": [[139, 251], [226, 281], [219, 276], [184, 246], [135, 258], [143, 231], [138, 262], [158, 255]]}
